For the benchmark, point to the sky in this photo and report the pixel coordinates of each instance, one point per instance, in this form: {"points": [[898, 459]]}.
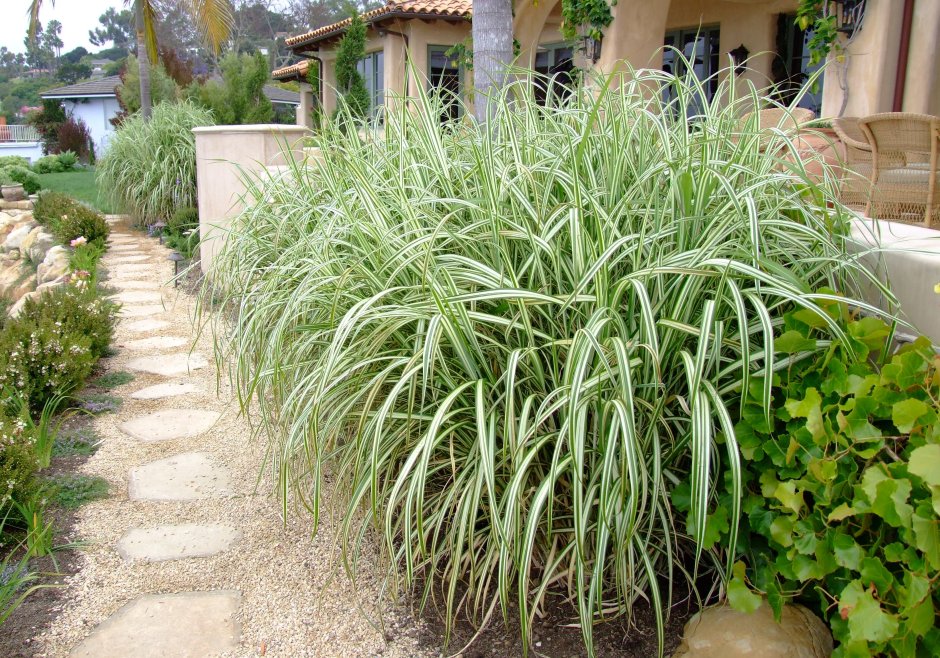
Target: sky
{"points": [[76, 16]]}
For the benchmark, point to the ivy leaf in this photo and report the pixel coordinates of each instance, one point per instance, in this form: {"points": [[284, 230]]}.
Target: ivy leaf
{"points": [[927, 535], [789, 497], [740, 596], [793, 341], [809, 408], [921, 617], [715, 525], [888, 497], [904, 414], [840, 513], [867, 621], [925, 463], [848, 553], [873, 572]]}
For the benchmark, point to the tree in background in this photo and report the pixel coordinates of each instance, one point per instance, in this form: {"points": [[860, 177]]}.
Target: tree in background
{"points": [[70, 73], [349, 81], [239, 97], [213, 19], [52, 40], [117, 27], [162, 88], [47, 122]]}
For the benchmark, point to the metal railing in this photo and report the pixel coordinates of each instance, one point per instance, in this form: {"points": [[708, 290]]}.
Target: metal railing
{"points": [[18, 133]]}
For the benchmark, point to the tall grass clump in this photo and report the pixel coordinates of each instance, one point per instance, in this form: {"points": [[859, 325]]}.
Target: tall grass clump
{"points": [[149, 170], [510, 344]]}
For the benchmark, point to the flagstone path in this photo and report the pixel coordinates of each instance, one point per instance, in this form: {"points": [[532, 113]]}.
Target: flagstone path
{"points": [[189, 555]]}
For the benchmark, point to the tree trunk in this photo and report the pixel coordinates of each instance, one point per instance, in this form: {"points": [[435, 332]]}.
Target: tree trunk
{"points": [[143, 60], [492, 53]]}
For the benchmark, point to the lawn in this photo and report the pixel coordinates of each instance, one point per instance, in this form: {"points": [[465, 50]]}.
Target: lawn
{"points": [[80, 184]]}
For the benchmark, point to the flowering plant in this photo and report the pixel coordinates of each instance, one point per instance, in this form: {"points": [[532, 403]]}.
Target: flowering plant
{"points": [[79, 241]]}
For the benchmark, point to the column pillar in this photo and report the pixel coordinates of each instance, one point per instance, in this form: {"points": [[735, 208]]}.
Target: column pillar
{"points": [[305, 109]]}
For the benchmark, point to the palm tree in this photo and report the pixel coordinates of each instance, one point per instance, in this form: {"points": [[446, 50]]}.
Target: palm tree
{"points": [[492, 52], [214, 18]]}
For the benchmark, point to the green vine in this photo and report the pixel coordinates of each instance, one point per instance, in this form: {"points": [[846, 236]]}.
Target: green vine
{"points": [[594, 15], [818, 16]]}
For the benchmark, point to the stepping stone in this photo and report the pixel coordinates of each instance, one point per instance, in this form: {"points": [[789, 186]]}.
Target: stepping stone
{"points": [[160, 391], [189, 476], [142, 311], [146, 325], [175, 542], [126, 260], [156, 343], [186, 625], [137, 284], [168, 424], [169, 365], [132, 271], [123, 246], [138, 296]]}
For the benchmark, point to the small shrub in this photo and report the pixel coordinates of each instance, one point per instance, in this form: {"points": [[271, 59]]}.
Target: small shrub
{"points": [[84, 261], [68, 160], [72, 490], [112, 380], [48, 164], [13, 161], [76, 310], [29, 180], [50, 207], [81, 221], [18, 463], [182, 231], [73, 135], [79, 442]]}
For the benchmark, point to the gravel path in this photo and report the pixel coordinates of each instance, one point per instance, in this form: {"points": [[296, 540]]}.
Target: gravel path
{"points": [[289, 597]]}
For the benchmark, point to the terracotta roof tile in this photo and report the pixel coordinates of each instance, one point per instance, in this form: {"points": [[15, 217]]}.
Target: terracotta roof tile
{"points": [[446, 9], [294, 70]]}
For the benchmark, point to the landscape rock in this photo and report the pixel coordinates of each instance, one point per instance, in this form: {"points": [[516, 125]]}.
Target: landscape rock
{"points": [[723, 632], [54, 265], [40, 242], [14, 275], [17, 307], [19, 233]]}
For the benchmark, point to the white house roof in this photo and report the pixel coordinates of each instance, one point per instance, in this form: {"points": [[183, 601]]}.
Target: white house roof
{"points": [[100, 88]]}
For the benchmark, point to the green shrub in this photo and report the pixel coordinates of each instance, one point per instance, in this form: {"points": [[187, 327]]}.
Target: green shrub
{"points": [[76, 309], [24, 176], [112, 380], [182, 231], [512, 342], [149, 170], [18, 464], [49, 164], [13, 161], [68, 219], [78, 442], [50, 206], [68, 160], [843, 488], [51, 347]]}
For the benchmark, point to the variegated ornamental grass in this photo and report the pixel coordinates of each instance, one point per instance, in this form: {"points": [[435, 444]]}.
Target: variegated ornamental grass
{"points": [[509, 344]]}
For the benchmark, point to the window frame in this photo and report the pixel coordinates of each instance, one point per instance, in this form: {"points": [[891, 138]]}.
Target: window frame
{"points": [[376, 94]]}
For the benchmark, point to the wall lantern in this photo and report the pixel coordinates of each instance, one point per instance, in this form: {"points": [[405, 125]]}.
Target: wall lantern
{"points": [[848, 15], [738, 58], [591, 47]]}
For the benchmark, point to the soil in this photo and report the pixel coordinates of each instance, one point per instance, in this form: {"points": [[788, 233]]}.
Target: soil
{"points": [[558, 634]]}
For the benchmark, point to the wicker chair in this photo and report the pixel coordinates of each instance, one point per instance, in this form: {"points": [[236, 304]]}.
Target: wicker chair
{"points": [[855, 191], [905, 151]]}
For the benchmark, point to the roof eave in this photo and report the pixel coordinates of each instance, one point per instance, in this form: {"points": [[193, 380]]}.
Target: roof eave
{"points": [[67, 96], [301, 47]]}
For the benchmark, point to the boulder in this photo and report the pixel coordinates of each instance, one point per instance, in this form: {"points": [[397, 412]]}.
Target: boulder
{"points": [[723, 632], [13, 278], [54, 265], [18, 235], [42, 241], [7, 222]]}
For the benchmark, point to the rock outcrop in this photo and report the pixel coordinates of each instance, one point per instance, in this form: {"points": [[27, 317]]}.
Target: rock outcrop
{"points": [[30, 260]]}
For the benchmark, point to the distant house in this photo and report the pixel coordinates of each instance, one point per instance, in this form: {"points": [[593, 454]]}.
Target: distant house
{"points": [[95, 103]]}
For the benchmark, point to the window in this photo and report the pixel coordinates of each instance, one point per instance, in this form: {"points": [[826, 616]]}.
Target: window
{"points": [[445, 77], [555, 61], [372, 68], [791, 67], [700, 46]]}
